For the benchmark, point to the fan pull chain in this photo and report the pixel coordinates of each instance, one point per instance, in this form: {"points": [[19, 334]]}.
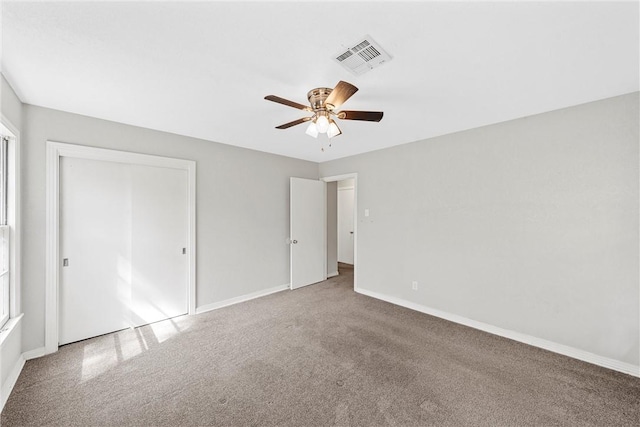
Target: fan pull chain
{"points": [[322, 146]]}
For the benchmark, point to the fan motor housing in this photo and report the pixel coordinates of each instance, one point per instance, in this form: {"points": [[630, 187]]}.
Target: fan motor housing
{"points": [[317, 97]]}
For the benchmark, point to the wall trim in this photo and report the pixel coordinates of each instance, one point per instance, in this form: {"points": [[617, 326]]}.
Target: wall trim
{"points": [[35, 353], [565, 350], [334, 274], [241, 298], [56, 150], [11, 381]]}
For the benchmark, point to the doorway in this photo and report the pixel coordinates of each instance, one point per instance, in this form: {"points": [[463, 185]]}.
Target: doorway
{"points": [[342, 233], [345, 221]]}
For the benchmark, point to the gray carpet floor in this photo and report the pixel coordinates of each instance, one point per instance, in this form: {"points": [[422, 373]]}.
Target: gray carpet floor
{"points": [[317, 356]]}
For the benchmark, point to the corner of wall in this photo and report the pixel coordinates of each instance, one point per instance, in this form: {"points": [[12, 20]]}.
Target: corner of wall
{"points": [[10, 103]]}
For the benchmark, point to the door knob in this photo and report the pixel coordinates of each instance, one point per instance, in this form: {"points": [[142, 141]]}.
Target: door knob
{"points": [[294, 242]]}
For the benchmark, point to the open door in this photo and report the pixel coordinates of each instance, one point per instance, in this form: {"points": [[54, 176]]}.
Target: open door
{"points": [[308, 232]]}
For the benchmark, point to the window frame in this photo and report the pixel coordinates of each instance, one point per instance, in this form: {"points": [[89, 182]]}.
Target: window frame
{"points": [[5, 274], [4, 178], [5, 232], [10, 232]]}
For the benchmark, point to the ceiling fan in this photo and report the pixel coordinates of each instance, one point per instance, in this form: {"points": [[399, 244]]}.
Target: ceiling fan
{"points": [[323, 104]]}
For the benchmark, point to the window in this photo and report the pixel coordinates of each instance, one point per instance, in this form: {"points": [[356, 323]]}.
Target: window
{"points": [[5, 233], [4, 274], [4, 178]]}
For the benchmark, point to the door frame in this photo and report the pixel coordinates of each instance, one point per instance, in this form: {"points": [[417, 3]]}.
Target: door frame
{"points": [[334, 178], [56, 150]]}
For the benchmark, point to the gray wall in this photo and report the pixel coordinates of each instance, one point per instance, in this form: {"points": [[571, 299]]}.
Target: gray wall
{"points": [[10, 104], [242, 207], [529, 225]]}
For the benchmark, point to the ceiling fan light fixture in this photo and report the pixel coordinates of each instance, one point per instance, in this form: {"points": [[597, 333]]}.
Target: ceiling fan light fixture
{"points": [[312, 130], [333, 130], [323, 103], [322, 123]]}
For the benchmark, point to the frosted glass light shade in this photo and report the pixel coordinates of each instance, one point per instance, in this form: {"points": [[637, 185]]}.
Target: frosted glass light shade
{"points": [[312, 130], [333, 130], [323, 124]]}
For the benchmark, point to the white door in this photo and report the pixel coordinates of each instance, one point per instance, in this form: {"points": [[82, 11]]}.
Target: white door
{"points": [[159, 240], [122, 230], [308, 231], [345, 225], [94, 225]]}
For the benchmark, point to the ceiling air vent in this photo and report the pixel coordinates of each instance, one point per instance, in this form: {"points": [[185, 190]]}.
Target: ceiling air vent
{"points": [[365, 55]]}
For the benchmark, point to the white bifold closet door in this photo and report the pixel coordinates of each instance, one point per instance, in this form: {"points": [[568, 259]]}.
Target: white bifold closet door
{"points": [[123, 228]]}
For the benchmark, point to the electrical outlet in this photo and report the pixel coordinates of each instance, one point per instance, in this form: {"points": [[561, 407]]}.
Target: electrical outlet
{"points": [[414, 285]]}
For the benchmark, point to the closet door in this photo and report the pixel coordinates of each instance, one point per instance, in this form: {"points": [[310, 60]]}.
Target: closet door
{"points": [[159, 242], [123, 232], [95, 248]]}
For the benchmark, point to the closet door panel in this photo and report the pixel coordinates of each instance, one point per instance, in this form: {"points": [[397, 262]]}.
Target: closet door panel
{"points": [[159, 242], [123, 234], [95, 248]]}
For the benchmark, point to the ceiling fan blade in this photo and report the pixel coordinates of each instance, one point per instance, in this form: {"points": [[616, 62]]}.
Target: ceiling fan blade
{"points": [[287, 102], [293, 123], [368, 116], [340, 94]]}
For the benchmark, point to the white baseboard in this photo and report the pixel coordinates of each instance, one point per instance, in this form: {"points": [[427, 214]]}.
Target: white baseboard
{"points": [[7, 387], [241, 298], [334, 274], [565, 350], [34, 354]]}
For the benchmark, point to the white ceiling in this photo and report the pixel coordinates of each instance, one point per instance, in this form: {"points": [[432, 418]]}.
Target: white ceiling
{"points": [[202, 69]]}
